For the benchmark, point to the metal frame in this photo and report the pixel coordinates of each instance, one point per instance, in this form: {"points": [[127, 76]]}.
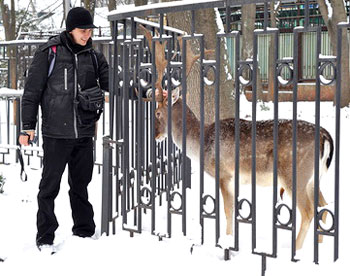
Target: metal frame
{"points": [[147, 116]]}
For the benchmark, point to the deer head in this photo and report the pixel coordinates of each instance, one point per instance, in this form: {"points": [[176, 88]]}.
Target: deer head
{"points": [[161, 61], [161, 114]]}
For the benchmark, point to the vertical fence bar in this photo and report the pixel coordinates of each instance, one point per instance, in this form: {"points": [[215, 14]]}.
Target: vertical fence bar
{"points": [[266, 15], [139, 139], [139, 145], [317, 146], [237, 135], [275, 144], [228, 16], [171, 153], [8, 122], [307, 13], [106, 186], [161, 24], [153, 141], [193, 22], [125, 148], [337, 141], [115, 117], [17, 104], [217, 139], [185, 176], [114, 83], [294, 138], [201, 157], [254, 100]]}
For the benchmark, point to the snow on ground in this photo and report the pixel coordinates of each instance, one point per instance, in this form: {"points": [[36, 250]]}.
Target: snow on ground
{"points": [[144, 254]]}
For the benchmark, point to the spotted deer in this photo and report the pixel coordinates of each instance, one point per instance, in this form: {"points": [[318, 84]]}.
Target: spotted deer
{"points": [[264, 150]]}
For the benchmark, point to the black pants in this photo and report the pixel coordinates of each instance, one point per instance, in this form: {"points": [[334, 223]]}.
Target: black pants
{"points": [[78, 154]]}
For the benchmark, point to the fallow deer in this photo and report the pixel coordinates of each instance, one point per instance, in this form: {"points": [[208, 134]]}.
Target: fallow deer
{"points": [[264, 152]]}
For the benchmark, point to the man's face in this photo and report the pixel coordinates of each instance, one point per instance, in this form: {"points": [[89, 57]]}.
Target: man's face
{"points": [[81, 36]]}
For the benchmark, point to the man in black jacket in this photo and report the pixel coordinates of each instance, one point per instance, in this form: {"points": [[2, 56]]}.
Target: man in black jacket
{"points": [[67, 125]]}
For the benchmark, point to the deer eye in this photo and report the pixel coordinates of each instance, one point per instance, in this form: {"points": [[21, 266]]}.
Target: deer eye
{"points": [[158, 114]]}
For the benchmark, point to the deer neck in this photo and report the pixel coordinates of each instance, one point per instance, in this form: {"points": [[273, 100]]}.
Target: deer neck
{"points": [[192, 133]]}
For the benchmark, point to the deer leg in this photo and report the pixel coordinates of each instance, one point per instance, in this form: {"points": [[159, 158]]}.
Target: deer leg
{"points": [[306, 211], [322, 202], [227, 196]]}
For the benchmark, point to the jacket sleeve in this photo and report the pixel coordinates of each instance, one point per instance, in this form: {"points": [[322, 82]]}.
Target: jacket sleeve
{"points": [[103, 71], [33, 89]]}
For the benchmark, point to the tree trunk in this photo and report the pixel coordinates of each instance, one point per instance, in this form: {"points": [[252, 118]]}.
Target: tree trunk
{"points": [[9, 21], [206, 23], [90, 5], [66, 7], [140, 2], [112, 5], [248, 26], [338, 15]]}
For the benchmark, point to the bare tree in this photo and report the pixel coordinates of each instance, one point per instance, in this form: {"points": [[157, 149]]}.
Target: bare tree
{"points": [[271, 65], [9, 21], [248, 26], [206, 23], [90, 5], [112, 5], [66, 7], [334, 12], [140, 2]]}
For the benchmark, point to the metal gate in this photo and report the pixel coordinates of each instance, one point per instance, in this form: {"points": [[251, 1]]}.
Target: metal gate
{"points": [[141, 174]]}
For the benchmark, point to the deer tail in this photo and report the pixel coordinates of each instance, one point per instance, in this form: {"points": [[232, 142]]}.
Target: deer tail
{"points": [[328, 147]]}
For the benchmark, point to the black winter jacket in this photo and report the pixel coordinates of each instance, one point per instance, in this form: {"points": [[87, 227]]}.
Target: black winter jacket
{"points": [[56, 94]]}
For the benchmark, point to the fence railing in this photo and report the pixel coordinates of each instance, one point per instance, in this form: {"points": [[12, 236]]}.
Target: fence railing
{"points": [[307, 61], [142, 176]]}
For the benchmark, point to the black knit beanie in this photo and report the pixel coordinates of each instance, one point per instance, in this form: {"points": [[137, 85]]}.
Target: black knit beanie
{"points": [[79, 18]]}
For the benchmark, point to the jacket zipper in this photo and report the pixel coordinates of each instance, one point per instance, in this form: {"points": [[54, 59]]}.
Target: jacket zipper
{"points": [[75, 94], [65, 78], [76, 85]]}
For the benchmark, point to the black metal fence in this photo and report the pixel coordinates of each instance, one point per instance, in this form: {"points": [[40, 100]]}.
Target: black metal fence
{"points": [[140, 174]]}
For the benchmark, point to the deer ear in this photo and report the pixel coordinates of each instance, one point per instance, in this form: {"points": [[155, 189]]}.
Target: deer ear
{"points": [[175, 95]]}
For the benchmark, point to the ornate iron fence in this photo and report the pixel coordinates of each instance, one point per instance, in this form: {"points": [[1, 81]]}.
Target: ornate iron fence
{"points": [[140, 174]]}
